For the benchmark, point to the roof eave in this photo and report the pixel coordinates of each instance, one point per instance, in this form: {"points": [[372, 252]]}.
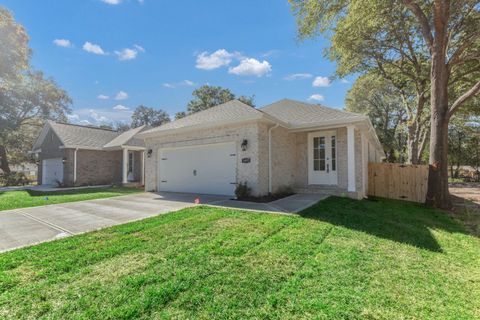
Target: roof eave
{"points": [[206, 125]]}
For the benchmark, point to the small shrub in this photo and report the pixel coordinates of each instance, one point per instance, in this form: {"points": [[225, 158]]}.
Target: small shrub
{"points": [[242, 190], [13, 179]]}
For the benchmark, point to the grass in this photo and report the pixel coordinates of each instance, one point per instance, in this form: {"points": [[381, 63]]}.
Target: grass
{"points": [[342, 259], [31, 198]]}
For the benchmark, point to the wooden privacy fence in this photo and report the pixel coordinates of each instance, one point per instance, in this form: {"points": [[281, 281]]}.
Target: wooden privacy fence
{"points": [[398, 181]]}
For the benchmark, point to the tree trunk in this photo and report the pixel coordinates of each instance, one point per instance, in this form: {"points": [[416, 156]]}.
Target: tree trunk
{"points": [[438, 195], [3, 160], [412, 145]]}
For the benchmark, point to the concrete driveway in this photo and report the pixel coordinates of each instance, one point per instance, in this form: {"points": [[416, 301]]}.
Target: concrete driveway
{"points": [[27, 226]]}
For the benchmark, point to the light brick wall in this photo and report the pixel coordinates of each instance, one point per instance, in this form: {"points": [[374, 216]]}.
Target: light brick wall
{"points": [[284, 159], [249, 172]]}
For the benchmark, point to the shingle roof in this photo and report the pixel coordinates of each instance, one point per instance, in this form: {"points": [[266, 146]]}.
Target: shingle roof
{"points": [[73, 135], [301, 114], [229, 111], [127, 138]]}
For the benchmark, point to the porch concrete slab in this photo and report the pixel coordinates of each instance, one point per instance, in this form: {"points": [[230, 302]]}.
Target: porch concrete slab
{"points": [[298, 202]]}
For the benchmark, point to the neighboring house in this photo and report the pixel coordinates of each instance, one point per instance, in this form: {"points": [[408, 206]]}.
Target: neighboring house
{"points": [[288, 144], [75, 155]]}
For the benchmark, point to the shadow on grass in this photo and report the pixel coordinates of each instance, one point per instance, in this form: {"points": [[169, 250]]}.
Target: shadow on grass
{"points": [[60, 192], [399, 221]]}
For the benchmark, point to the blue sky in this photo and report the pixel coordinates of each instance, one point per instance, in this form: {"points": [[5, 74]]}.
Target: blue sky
{"points": [[112, 55]]}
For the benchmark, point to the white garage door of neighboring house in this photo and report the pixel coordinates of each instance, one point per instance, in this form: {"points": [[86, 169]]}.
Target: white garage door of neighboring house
{"points": [[204, 169], [52, 170]]}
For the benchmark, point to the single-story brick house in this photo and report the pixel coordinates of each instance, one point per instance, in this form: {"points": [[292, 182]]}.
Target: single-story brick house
{"points": [[75, 155], [287, 144]]}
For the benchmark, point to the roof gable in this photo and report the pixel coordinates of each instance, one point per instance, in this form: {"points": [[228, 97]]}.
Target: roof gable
{"points": [[127, 138], [230, 111], [299, 114]]}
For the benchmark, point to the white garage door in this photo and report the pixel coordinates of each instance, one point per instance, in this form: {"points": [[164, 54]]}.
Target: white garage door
{"points": [[52, 171], [205, 169]]}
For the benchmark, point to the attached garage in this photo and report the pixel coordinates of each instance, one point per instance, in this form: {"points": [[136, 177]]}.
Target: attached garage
{"points": [[203, 169], [52, 171]]}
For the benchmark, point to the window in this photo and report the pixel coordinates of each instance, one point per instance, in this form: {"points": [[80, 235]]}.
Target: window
{"points": [[319, 154], [334, 154], [130, 162]]}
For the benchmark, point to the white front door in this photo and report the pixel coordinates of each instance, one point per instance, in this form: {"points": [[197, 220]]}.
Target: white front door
{"points": [[52, 171], [322, 157], [203, 169]]}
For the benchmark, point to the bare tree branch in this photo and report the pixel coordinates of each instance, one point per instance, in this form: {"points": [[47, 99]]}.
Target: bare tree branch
{"points": [[464, 97], [423, 20]]}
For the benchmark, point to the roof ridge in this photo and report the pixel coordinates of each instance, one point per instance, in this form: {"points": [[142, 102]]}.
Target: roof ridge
{"points": [[83, 126]]}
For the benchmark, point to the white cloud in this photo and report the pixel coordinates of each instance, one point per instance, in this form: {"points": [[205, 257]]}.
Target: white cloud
{"points": [[97, 116], [251, 67], [321, 82], [297, 76], [63, 43], [184, 83], [73, 117], [215, 60], [120, 107], [93, 48], [344, 81], [102, 97], [129, 53], [121, 95], [316, 97], [112, 1], [139, 48], [126, 54]]}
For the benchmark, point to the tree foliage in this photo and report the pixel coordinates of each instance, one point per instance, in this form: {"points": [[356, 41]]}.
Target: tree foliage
{"points": [[432, 47], [373, 96], [15, 53], [29, 100], [207, 96], [149, 116]]}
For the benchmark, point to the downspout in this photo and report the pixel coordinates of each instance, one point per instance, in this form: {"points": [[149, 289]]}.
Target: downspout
{"points": [[270, 157], [75, 166]]}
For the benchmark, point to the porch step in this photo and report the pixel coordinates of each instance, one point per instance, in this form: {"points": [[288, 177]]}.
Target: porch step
{"points": [[334, 191], [132, 184]]}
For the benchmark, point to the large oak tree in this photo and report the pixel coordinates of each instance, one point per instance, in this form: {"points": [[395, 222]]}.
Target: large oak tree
{"points": [[403, 38]]}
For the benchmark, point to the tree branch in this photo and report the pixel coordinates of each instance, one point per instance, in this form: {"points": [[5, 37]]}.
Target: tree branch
{"points": [[464, 97], [422, 19]]}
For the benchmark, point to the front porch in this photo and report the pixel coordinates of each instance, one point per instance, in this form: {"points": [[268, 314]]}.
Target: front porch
{"points": [[330, 160], [133, 169]]}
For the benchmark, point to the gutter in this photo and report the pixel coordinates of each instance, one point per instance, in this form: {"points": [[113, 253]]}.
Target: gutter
{"points": [[270, 156], [75, 166]]}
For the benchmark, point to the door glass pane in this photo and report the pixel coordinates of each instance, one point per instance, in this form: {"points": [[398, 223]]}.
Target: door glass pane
{"points": [[334, 154], [319, 154]]}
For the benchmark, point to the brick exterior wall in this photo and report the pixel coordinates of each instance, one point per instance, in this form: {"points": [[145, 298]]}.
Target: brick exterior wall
{"points": [[94, 167], [98, 167]]}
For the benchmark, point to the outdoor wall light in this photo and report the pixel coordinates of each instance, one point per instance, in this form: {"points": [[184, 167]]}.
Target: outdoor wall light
{"points": [[244, 144], [149, 153], [64, 160]]}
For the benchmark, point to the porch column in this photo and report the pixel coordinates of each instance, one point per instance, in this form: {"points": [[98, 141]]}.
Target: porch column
{"points": [[142, 172], [351, 158], [125, 166]]}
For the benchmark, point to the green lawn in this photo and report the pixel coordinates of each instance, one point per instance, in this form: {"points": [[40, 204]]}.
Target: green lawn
{"points": [[31, 198], [343, 259]]}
